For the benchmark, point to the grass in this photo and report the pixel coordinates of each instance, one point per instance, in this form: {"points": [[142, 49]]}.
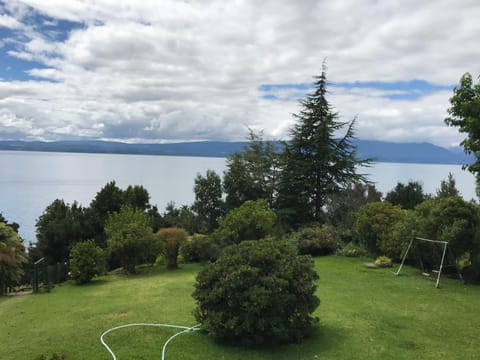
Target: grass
{"points": [[364, 314]]}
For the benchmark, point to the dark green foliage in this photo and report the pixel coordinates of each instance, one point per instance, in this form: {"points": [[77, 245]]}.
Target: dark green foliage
{"points": [[109, 200], [188, 220], [251, 221], [374, 224], [403, 231], [59, 227], [200, 248], [465, 114], [257, 292], [352, 250], [318, 161], [86, 261], [15, 226], [471, 272], [137, 196], [252, 173], [12, 257], [171, 216], [316, 240], [407, 196], [342, 206], [130, 237], [156, 220], [448, 187], [183, 217], [208, 203], [450, 219], [170, 241]]}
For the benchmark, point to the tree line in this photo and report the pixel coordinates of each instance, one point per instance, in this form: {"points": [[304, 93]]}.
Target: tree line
{"points": [[306, 189]]}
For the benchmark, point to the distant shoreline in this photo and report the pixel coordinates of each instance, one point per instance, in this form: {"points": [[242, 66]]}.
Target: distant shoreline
{"points": [[378, 151]]}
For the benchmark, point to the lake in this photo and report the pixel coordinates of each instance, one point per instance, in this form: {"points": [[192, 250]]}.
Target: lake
{"points": [[30, 181]]}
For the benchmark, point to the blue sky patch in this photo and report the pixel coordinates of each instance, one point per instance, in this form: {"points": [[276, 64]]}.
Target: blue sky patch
{"points": [[393, 90], [12, 68]]}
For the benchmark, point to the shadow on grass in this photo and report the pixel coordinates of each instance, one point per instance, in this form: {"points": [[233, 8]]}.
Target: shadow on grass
{"points": [[149, 270], [95, 282], [323, 339]]}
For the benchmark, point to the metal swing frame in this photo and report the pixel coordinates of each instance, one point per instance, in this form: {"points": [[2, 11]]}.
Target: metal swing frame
{"points": [[445, 243]]}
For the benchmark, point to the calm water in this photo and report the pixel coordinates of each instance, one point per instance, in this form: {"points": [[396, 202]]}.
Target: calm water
{"points": [[32, 180]]}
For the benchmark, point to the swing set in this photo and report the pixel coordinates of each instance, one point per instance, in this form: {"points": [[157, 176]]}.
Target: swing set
{"points": [[436, 271]]}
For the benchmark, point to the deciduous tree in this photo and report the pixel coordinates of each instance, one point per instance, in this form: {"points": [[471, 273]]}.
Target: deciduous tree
{"points": [[59, 227], [12, 257], [252, 174], [130, 237], [208, 203], [465, 114], [170, 241], [15, 226]]}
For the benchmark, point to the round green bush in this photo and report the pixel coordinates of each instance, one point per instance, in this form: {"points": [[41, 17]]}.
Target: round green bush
{"points": [[200, 248], [86, 261], [257, 292], [316, 240]]}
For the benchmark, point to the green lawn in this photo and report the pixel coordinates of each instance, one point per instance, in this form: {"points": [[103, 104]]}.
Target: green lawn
{"points": [[364, 314]]}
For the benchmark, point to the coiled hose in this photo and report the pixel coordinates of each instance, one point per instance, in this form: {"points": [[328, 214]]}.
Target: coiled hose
{"points": [[184, 329]]}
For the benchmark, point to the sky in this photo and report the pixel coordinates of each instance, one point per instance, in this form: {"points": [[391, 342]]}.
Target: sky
{"points": [[168, 71]]}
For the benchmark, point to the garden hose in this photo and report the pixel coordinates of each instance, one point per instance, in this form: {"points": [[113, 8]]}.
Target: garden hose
{"points": [[184, 329]]}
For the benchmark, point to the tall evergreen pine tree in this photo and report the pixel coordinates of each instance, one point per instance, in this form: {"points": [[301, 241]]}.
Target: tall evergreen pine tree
{"points": [[318, 160]]}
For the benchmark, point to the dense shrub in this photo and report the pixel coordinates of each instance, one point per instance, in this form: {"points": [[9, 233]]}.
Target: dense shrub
{"points": [[352, 250], [251, 221], [257, 292], [317, 240], [86, 261], [170, 240], [471, 272], [450, 219], [456, 221], [200, 248], [374, 224]]}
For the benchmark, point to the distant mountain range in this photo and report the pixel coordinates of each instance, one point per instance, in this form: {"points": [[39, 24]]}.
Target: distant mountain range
{"points": [[379, 151]]}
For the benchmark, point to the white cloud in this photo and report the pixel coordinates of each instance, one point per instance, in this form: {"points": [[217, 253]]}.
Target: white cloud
{"points": [[191, 70], [9, 22]]}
